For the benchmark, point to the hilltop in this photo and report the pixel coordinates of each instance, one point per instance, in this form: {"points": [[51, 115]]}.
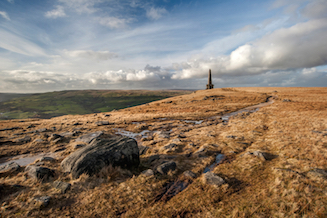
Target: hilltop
{"points": [[53, 104], [269, 162]]}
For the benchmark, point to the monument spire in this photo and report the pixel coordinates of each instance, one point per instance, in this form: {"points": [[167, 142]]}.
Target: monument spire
{"points": [[209, 85]]}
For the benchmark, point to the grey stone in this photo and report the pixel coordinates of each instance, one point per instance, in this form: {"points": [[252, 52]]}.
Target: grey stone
{"points": [[38, 140], [153, 158], [143, 149], [42, 174], [23, 140], [44, 200], [166, 167], [189, 174], [286, 100], [42, 130], [54, 137], [102, 123], [62, 186], [263, 155], [148, 172], [116, 151], [162, 134], [67, 134], [89, 137], [49, 159], [10, 167], [213, 179]]}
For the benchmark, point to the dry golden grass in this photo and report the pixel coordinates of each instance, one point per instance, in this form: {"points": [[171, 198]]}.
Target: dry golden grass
{"points": [[293, 128]]}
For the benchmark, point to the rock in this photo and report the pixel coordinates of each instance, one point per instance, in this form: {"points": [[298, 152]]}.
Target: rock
{"points": [[77, 146], [286, 100], [49, 159], [10, 167], [42, 130], [67, 134], [76, 124], [317, 174], [263, 155], [102, 123], [201, 149], [107, 115], [116, 151], [89, 137], [147, 173], [153, 158], [143, 149], [30, 126], [162, 134], [40, 173], [62, 186], [212, 179], [23, 140], [44, 200], [54, 137], [171, 147], [166, 167], [39, 140], [189, 174]]}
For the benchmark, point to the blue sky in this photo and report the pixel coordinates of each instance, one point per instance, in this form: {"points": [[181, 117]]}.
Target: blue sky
{"points": [[134, 44]]}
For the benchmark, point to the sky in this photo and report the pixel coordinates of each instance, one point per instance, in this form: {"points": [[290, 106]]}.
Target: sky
{"points": [[52, 45]]}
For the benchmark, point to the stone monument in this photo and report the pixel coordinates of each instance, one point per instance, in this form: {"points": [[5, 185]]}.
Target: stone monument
{"points": [[209, 85]]}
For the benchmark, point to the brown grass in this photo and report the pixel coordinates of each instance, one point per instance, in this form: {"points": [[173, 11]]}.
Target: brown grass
{"points": [[295, 131]]}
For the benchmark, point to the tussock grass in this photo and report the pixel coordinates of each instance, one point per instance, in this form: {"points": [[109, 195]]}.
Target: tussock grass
{"points": [[288, 185]]}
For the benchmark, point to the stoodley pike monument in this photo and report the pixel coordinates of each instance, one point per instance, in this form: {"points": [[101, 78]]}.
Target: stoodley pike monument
{"points": [[209, 85]]}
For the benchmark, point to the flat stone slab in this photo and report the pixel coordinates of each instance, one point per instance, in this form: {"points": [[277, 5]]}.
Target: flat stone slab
{"points": [[87, 138]]}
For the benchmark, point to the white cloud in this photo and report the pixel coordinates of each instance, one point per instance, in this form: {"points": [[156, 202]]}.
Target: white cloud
{"points": [[89, 54], [82, 6], [11, 1], [113, 22], [55, 13], [316, 9], [17, 44], [4, 15], [155, 13]]}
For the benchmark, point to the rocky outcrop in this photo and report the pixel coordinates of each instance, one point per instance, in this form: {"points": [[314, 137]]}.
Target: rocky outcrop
{"points": [[213, 179], [42, 174], [166, 167], [101, 152], [10, 167], [87, 138]]}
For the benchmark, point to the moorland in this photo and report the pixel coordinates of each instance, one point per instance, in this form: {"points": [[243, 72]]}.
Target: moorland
{"points": [[272, 161]]}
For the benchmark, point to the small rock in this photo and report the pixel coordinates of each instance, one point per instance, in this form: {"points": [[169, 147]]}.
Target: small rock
{"points": [[62, 186], [44, 200], [49, 159], [201, 149], [107, 115], [143, 149], [162, 134], [30, 126], [54, 137], [67, 134], [42, 130], [286, 100], [189, 174], [153, 158], [213, 179], [10, 167], [148, 172], [263, 155], [58, 140], [23, 140], [39, 140], [40, 173], [166, 167], [89, 137], [102, 123], [231, 137], [76, 124]]}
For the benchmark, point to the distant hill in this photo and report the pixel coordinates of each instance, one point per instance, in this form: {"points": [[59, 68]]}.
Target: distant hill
{"points": [[51, 104]]}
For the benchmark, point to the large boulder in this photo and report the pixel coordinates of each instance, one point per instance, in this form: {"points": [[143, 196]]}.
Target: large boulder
{"points": [[42, 174], [101, 152], [89, 137]]}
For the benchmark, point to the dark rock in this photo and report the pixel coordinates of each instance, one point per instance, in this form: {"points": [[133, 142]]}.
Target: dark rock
{"points": [[102, 123], [44, 200], [263, 155], [147, 173], [23, 140], [62, 186], [10, 167], [59, 140], [76, 124], [54, 137], [166, 167], [7, 129], [40, 173], [189, 174], [30, 126], [168, 102], [59, 149], [115, 151], [107, 115], [213, 179], [42, 130], [48, 159], [143, 149], [89, 137], [153, 158]]}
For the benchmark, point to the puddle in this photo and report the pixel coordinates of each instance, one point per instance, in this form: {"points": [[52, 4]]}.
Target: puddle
{"points": [[250, 109], [25, 159], [219, 159]]}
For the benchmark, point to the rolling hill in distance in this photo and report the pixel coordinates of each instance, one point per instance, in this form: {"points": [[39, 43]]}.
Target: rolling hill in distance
{"points": [[52, 104]]}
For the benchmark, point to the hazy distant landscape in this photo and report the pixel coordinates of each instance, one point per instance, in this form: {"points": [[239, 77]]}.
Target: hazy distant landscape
{"points": [[52, 104]]}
